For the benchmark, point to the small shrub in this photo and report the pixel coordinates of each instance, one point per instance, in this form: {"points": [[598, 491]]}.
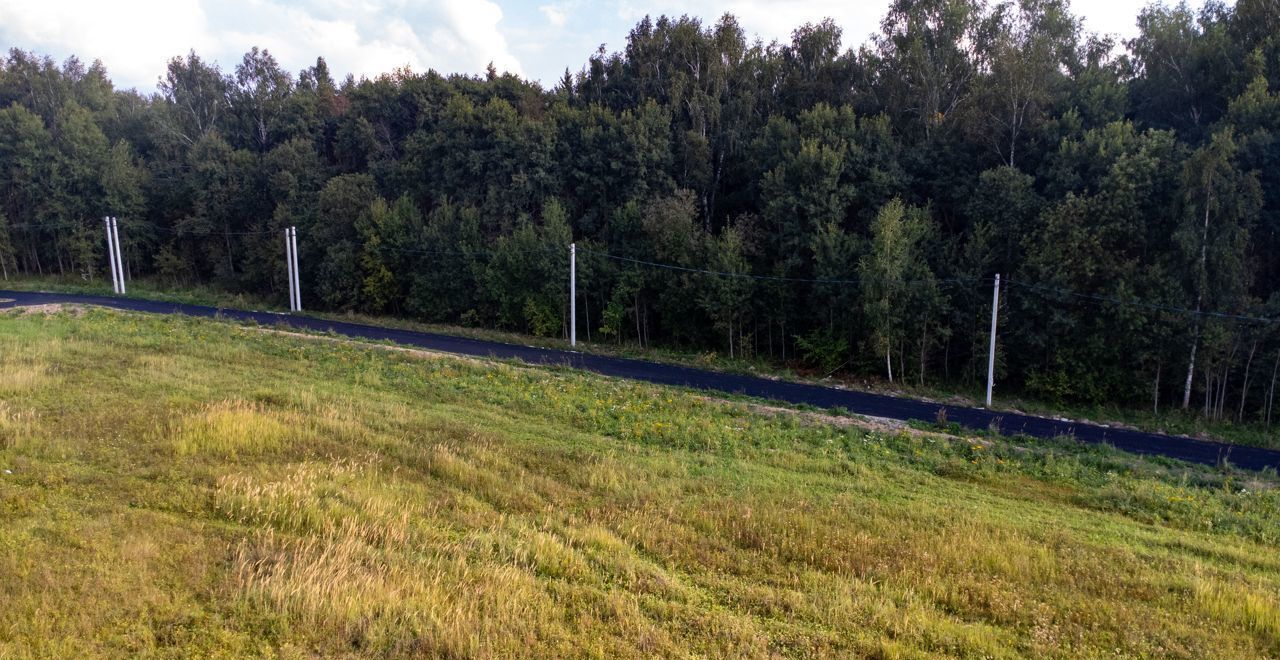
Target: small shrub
{"points": [[823, 349]]}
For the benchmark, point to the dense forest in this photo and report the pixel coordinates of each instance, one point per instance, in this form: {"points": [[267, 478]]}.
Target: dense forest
{"points": [[804, 201]]}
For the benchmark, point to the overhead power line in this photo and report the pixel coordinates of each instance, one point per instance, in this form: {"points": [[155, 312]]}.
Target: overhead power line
{"points": [[469, 252], [49, 225], [768, 278], [1142, 304], [213, 232], [1041, 289], [145, 225]]}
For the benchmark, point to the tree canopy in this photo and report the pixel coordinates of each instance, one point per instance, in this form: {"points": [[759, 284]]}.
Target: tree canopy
{"points": [[807, 200]]}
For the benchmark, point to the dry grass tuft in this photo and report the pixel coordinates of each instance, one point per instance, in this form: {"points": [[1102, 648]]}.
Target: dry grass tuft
{"points": [[321, 499], [337, 585], [23, 366], [17, 378], [232, 428], [1247, 608], [47, 309], [16, 425], [377, 576]]}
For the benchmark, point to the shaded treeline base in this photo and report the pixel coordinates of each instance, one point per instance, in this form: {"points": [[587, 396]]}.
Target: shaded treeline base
{"points": [[859, 200], [860, 403]]}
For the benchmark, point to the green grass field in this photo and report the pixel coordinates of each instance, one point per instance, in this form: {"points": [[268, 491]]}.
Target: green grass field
{"points": [[172, 486]]}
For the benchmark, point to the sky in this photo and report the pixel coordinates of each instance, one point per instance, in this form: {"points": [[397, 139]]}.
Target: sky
{"points": [[537, 39]]}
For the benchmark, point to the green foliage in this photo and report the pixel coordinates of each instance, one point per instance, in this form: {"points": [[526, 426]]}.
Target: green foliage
{"points": [[387, 232], [1014, 142], [824, 350], [727, 300], [527, 274], [26, 153], [342, 200], [171, 266], [445, 278], [901, 294]]}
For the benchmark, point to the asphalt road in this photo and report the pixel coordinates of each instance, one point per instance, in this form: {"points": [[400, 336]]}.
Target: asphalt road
{"points": [[863, 403]]}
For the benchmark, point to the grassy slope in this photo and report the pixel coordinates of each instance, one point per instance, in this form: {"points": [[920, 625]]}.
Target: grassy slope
{"points": [[192, 486], [1172, 421]]}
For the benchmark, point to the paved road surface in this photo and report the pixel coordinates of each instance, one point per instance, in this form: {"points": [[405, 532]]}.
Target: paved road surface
{"points": [[863, 403]]}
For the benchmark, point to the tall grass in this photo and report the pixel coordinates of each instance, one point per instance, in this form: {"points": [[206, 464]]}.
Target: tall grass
{"points": [[186, 487], [231, 428]]}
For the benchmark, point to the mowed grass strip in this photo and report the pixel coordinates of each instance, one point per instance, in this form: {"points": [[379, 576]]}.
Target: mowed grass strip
{"points": [[188, 487]]}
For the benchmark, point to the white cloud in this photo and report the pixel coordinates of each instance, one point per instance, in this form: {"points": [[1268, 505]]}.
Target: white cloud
{"points": [[366, 37], [134, 44], [555, 15], [770, 19], [363, 37], [776, 19], [475, 23], [1114, 17]]}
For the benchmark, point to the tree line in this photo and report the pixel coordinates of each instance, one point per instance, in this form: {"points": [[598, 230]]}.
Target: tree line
{"points": [[803, 201]]}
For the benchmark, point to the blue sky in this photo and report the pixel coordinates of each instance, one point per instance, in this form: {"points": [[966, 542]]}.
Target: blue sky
{"points": [[537, 39]]}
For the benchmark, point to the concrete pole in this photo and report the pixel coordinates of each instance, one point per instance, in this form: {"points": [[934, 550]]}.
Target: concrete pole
{"points": [[297, 281], [991, 357], [573, 294], [111, 254], [288, 264], [115, 231]]}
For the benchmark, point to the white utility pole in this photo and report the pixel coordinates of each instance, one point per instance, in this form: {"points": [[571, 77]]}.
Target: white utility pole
{"points": [[573, 294], [111, 255], [115, 233], [288, 264], [991, 357], [297, 282]]}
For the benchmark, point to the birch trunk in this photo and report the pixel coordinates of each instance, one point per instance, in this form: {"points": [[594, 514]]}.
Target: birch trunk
{"points": [[226, 235], [1271, 398], [1204, 259], [924, 341], [1244, 387], [1155, 392], [1226, 380], [1191, 372], [1208, 389], [902, 359]]}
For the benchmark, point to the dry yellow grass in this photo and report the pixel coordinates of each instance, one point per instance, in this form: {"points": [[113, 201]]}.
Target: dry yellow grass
{"points": [[16, 378], [231, 428], [23, 367], [219, 492], [16, 425], [1246, 607]]}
